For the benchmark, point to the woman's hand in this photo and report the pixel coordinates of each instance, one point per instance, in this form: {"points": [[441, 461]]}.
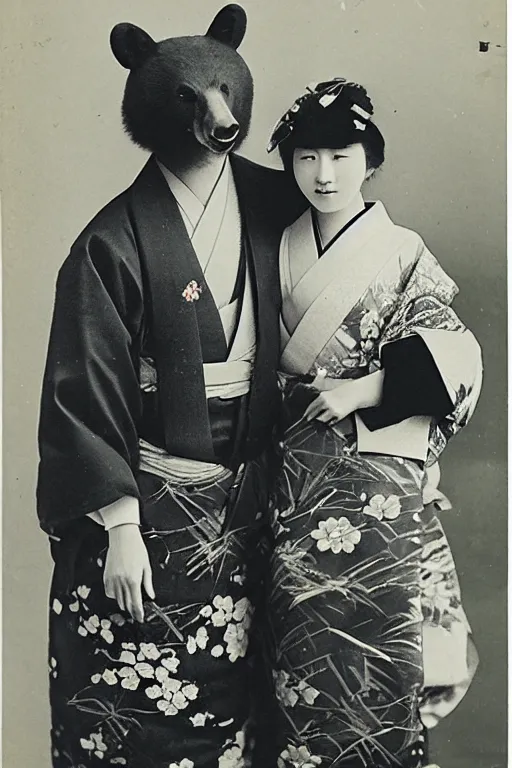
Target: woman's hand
{"points": [[335, 404], [341, 397], [127, 569]]}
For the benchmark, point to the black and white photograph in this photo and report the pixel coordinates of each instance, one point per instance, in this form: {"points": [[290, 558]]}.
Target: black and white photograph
{"points": [[255, 384]]}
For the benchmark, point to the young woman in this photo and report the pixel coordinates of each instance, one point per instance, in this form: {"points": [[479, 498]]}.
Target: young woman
{"points": [[370, 641]]}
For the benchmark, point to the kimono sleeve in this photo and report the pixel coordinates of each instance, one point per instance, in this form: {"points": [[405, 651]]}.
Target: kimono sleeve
{"points": [[432, 361], [90, 404]]}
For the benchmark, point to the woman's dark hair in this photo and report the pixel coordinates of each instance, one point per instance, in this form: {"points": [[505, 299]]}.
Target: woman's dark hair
{"points": [[334, 127]]}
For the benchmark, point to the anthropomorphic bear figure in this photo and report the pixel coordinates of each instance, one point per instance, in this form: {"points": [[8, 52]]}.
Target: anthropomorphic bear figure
{"points": [[159, 400]]}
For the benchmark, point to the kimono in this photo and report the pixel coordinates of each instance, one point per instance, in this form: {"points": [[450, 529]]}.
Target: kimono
{"points": [[369, 640], [161, 385]]}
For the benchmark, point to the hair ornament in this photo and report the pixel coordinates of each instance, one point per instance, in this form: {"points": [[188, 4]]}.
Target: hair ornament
{"points": [[325, 94]]}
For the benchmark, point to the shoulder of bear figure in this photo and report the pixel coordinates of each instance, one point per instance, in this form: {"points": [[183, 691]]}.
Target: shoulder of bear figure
{"points": [[111, 226]]}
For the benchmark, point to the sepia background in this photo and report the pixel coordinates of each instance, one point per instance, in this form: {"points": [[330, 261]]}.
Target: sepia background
{"points": [[440, 102]]}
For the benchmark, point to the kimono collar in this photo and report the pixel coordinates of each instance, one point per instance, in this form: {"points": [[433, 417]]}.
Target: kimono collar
{"points": [[191, 208]]}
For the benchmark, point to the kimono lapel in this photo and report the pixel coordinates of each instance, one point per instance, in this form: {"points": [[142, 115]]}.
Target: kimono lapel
{"points": [[261, 239], [185, 332], [325, 294]]}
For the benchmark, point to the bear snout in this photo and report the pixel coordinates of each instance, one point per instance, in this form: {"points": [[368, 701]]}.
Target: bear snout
{"points": [[226, 134], [215, 127]]}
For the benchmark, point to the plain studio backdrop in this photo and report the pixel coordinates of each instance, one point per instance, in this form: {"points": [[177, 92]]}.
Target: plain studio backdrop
{"points": [[440, 102]]}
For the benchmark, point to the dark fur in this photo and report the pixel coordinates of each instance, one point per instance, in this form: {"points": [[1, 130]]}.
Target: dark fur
{"points": [[154, 116]]}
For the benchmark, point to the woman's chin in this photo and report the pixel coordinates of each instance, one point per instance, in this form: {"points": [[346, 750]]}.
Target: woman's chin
{"points": [[329, 203]]}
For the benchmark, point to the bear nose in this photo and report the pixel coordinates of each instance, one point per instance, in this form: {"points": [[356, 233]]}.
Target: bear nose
{"points": [[227, 134]]}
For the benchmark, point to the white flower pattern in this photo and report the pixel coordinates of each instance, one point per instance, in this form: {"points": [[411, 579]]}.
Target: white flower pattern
{"points": [[381, 507], [336, 535]]}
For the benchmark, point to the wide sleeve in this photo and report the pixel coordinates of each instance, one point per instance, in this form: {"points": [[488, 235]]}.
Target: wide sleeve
{"points": [[91, 404], [432, 362]]}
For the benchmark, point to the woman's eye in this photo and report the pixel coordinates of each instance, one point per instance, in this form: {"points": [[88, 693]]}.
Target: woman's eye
{"points": [[307, 157], [185, 93], [339, 157], [224, 89]]}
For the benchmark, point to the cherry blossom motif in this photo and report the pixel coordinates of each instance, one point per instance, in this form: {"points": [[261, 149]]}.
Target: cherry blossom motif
{"points": [[285, 692], [381, 507], [289, 693], [106, 632], [192, 291], [237, 641], [166, 707], [233, 757], [307, 692], [92, 624], [200, 719], [144, 669], [150, 651], [297, 757], [185, 763], [336, 535], [127, 657], [129, 678], [171, 663], [109, 676], [83, 592], [224, 613], [95, 744], [217, 651], [199, 641], [154, 692]]}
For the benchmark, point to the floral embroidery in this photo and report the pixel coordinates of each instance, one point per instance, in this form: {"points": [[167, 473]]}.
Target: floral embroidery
{"points": [[233, 756], [236, 617], [192, 291], [370, 330], [200, 719], [380, 507], [289, 693], [199, 641], [172, 694], [95, 744], [336, 535], [236, 638], [186, 763], [298, 757]]}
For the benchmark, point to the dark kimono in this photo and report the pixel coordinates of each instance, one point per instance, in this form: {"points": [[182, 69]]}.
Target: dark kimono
{"points": [[369, 637], [125, 413]]}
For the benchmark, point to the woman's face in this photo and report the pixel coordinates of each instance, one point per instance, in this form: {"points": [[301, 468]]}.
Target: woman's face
{"points": [[330, 178]]}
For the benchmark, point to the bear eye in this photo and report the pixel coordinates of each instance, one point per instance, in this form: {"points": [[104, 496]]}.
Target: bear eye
{"points": [[225, 89], [185, 93]]}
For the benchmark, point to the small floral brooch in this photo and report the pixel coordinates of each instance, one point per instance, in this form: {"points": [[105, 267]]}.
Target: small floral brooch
{"points": [[192, 291]]}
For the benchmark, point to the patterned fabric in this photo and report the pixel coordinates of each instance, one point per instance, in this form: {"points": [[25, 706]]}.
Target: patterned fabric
{"points": [[173, 690], [346, 603], [363, 589]]}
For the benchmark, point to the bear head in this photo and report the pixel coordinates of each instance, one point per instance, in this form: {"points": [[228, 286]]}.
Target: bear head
{"points": [[186, 94]]}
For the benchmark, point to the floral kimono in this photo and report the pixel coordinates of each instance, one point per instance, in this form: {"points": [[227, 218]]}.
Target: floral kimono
{"points": [[368, 632], [155, 388]]}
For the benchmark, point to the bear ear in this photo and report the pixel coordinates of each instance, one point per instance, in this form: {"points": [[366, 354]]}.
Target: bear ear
{"points": [[131, 45], [229, 26]]}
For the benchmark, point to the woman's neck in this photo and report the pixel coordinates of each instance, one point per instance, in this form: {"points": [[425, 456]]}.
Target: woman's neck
{"points": [[329, 224]]}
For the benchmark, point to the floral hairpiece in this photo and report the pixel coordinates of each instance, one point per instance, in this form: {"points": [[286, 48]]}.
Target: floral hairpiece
{"points": [[325, 93]]}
